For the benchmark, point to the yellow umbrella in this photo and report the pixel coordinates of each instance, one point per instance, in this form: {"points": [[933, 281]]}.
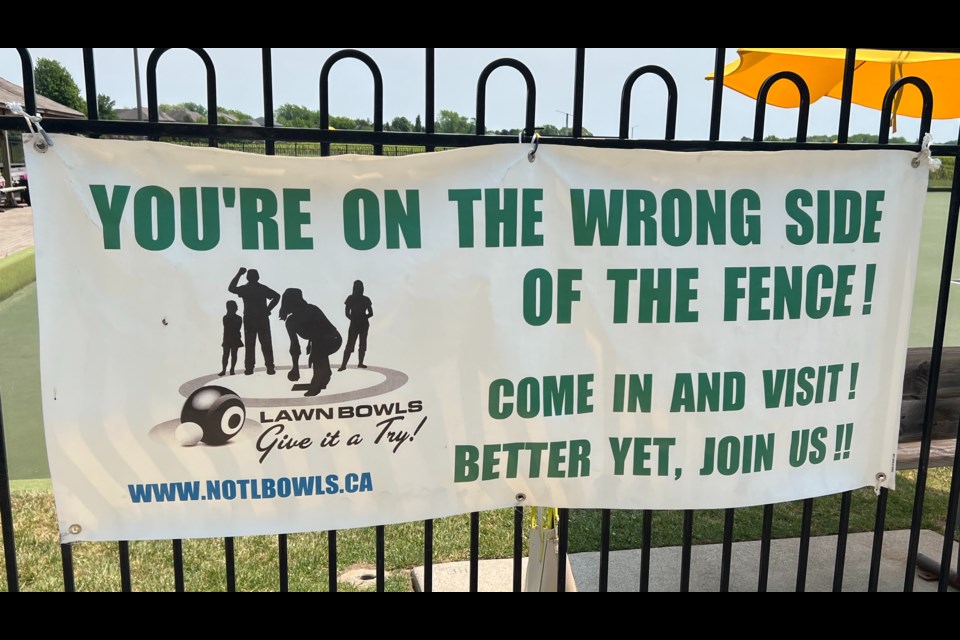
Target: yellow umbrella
{"points": [[876, 71]]}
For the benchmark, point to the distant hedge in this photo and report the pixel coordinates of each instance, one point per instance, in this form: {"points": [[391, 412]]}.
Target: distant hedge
{"points": [[16, 271], [944, 176]]}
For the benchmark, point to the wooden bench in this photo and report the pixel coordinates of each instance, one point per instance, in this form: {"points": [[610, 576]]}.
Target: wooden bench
{"points": [[7, 193]]}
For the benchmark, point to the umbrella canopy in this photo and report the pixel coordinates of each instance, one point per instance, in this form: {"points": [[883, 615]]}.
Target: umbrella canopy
{"points": [[876, 70]]}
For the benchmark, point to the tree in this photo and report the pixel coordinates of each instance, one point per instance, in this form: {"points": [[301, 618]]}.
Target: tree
{"points": [[293, 115], [549, 130], [106, 107], [55, 82], [401, 123], [567, 132], [241, 116], [453, 122], [186, 106], [856, 138], [341, 122], [870, 138], [418, 124], [198, 109]]}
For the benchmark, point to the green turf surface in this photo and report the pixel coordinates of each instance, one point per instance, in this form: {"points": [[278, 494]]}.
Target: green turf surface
{"points": [[929, 267], [16, 271], [20, 385]]}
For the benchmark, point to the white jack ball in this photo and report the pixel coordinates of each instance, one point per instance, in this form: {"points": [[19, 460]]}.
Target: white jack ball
{"points": [[189, 434]]}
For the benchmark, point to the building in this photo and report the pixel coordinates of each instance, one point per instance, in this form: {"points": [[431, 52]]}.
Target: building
{"points": [[131, 114], [11, 149]]}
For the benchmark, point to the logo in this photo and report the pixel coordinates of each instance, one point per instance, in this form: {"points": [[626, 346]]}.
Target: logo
{"points": [[286, 407]]}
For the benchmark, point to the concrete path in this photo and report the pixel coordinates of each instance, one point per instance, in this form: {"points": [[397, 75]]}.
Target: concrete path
{"points": [[16, 229], [496, 575]]}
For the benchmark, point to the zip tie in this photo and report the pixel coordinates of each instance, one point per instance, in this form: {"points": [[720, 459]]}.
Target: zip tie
{"points": [[41, 142], [881, 478], [532, 156], [933, 163]]}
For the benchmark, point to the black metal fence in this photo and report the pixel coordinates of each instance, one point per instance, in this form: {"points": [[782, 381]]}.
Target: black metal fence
{"points": [[303, 149], [268, 138]]}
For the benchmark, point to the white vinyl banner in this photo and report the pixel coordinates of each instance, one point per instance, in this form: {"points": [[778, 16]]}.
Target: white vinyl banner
{"points": [[234, 344]]}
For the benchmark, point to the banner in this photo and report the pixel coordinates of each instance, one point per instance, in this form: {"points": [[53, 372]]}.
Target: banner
{"points": [[234, 344]]}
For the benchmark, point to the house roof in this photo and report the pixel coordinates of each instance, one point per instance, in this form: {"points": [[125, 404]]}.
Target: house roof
{"points": [[10, 92], [229, 118], [183, 115], [131, 114]]}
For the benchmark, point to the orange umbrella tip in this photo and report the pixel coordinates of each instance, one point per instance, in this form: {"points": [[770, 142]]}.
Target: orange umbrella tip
{"points": [[876, 70]]}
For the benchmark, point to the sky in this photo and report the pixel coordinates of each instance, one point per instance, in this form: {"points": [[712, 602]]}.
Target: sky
{"points": [[180, 78]]}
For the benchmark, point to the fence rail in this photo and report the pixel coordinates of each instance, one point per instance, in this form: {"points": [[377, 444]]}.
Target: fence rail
{"points": [[273, 140]]}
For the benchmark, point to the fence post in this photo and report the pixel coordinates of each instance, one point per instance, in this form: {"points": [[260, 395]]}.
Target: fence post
{"points": [[6, 515]]}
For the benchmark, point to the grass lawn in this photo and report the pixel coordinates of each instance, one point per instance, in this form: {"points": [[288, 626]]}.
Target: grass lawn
{"points": [[928, 276], [97, 569]]}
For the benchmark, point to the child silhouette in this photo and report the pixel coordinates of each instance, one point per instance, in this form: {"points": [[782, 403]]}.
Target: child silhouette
{"points": [[232, 323]]}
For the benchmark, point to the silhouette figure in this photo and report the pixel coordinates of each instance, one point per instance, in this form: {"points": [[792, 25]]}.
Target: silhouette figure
{"points": [[258, 301], [307, 321], [231, 338], [359, 309]]}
